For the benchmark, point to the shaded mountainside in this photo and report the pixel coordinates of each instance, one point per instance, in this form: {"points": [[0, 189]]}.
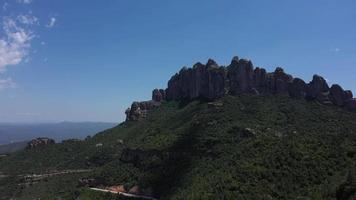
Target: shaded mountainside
{"points": [[236, 147], [13, 147]]}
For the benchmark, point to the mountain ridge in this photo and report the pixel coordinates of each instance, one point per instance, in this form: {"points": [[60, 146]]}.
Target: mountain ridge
{"points": [[212, 81]]}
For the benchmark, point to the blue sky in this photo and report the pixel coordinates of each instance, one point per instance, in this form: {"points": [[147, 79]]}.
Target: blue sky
{"points": [[88, 60]]}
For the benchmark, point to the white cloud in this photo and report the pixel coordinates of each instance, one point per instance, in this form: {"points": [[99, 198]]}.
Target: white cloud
{"points": [[51, 23], [28, 19], [335, 50], [15, 45], [7, 83], [24, 1], [5, 6]]}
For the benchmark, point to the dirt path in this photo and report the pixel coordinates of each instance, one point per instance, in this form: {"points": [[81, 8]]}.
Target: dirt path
{"points": [[55, 173], [34, 178], [124, 194]]}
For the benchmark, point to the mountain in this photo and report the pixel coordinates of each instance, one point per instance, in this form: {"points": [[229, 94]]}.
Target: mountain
{"points": [[211, 81], [248, 145], [18, 132]]}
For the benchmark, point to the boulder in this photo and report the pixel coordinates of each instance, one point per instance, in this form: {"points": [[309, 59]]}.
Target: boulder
{"points": [[297, 88]]}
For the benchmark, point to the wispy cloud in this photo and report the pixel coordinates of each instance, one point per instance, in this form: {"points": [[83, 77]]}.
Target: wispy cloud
{"points": [[16, 36], [5, 6], [335, 50], [24, 1], [28, 19], [51, 22], [7, 83], [15, 45]]}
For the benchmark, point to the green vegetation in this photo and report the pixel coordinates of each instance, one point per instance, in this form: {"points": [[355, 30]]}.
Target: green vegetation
{"points": [[246, 147]]}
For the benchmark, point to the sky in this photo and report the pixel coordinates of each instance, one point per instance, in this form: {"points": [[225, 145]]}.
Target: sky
{"points": [[65, 60]]}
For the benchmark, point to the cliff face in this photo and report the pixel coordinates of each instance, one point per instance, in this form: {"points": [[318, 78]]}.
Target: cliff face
{"points": [[211, 81]]}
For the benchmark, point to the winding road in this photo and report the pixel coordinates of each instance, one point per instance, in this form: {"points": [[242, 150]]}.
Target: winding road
{"points": [[123, 194]]}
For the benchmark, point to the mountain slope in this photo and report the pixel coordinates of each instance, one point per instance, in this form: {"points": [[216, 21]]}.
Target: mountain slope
{"points": [[241, 147], [13, 147]]}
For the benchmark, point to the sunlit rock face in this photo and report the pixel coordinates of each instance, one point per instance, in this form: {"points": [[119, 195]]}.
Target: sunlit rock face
{"points": [[210, 81]]}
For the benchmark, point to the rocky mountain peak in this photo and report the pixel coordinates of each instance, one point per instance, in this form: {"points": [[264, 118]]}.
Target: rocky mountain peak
{"points": [[212, 81]]}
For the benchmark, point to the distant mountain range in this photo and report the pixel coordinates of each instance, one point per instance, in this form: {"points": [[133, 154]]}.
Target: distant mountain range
{"points": [[18, 132]]}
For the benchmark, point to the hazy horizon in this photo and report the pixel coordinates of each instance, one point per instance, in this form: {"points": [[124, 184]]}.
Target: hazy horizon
{"points": [[59, 64], [18, 132]]}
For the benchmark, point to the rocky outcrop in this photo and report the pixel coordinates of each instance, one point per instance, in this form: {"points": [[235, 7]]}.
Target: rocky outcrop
{"points": [[279, 81], [202, 81], [240, 74], [139, 110], [211, 81], [158, 95], [260, 79], [317, 88], [297, 88], [338, 96], [40, 142]]}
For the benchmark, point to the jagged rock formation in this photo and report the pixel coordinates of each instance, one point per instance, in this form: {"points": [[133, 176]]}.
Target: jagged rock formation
{"points": [[158, 95], [139, 110], [39, 142], [211, 81]]}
